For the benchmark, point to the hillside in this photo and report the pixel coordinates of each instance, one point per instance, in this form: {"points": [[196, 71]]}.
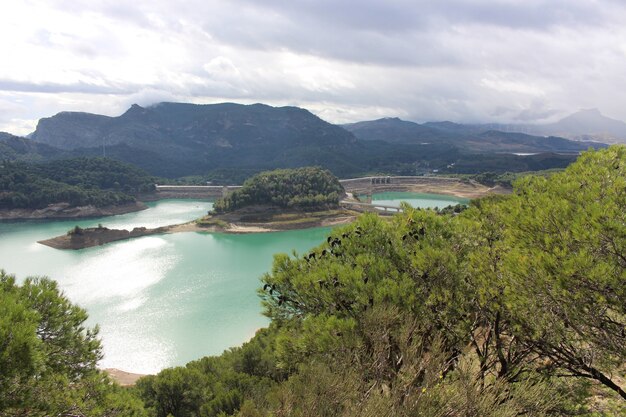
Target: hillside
{"points": [[588, 124], [395, 130], [72, 183], [15, 148]]}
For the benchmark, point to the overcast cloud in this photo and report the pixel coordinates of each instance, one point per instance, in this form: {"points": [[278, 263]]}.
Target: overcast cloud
{"points": [[460, 60]]}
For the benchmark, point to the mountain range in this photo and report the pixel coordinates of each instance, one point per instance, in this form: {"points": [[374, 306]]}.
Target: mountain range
{"points": [[584, 125], [466, 138], [232, 141]]}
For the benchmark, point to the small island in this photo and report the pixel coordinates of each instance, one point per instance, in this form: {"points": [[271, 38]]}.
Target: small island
{"points": [[281, 199], [80, 238]]}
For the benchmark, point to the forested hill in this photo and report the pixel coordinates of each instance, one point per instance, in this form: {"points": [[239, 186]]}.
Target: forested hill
{"points": [[230, 142], [78, 182], [514, 307]]}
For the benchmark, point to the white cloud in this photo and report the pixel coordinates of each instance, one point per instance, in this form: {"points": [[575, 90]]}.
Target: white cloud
{"points": [[478, 60]]}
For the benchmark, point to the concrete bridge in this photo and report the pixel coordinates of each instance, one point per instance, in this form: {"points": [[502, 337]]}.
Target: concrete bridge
{"points": [[379, 208]]}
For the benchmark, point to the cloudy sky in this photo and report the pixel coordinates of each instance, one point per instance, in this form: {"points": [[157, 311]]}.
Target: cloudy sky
{"points": [[460, 60]]}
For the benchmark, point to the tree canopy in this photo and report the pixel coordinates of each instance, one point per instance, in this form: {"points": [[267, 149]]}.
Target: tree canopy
{"points": [[309, 187], [78, 181], [48, 356]]}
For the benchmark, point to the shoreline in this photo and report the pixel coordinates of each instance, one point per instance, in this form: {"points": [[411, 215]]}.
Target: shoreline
{"points": [[63, 211]]}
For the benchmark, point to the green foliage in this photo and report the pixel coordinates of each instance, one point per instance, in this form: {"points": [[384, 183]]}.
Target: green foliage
{"points": [[78, 182], [48, 357], [214, 386], [287, 188], [535, 282]]}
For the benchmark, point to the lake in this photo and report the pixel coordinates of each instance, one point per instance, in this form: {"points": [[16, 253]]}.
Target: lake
{"points": [[161, 300]]}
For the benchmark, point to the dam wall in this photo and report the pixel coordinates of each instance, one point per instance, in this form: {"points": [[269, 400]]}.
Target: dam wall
{"points": [[368, 185], [194, 191]]}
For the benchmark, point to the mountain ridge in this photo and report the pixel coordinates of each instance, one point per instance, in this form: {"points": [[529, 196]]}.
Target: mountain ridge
{"points": [[469, 138], [229, 142]]}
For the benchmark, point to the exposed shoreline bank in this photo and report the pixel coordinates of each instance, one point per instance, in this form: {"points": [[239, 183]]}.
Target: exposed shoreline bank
{"points": [[63, 211]]}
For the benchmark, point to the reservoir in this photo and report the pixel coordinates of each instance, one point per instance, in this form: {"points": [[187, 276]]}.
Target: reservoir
{"points": [[418, 200], [161, 300]]}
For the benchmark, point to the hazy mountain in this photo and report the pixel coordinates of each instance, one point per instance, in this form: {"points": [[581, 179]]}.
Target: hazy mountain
{"points": [[465, 137], [587, 124], [584, 125]]}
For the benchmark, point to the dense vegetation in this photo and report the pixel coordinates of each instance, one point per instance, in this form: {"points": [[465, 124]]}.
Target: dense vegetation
{"points": [[512, 307], [48, 357], [78, 181], [301, 188]]}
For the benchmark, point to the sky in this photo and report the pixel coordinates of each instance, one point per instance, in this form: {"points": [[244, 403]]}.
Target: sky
{"points": [[507, 61]]}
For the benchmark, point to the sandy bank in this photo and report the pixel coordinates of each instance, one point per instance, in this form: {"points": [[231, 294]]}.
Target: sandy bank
{"points": [[123, 378]]}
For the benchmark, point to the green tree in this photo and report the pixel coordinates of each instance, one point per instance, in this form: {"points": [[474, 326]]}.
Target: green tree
{"points": [[48, 357], [566, 265]]}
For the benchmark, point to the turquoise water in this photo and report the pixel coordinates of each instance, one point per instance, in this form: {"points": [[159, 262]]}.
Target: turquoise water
{"points": [[159, 300], [164, 300], [417, 200]]}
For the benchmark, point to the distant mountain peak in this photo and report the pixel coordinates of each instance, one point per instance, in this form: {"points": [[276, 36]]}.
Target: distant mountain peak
{"points": [[594, 111]]}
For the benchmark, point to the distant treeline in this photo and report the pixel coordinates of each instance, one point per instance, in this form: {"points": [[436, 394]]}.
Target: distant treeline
{"points": [[79, 181], [299, 188]]}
